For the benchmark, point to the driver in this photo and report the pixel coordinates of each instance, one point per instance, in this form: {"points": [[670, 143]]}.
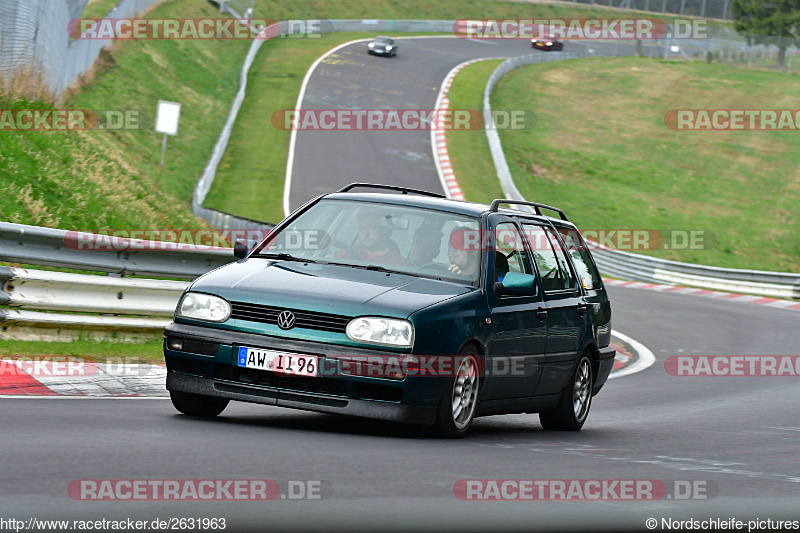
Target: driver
{"points": [[374, 242]]}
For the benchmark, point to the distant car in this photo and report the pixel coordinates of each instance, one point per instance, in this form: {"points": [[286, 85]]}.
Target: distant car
{"points": [[407, 307], [547, 43], [384, 46]]}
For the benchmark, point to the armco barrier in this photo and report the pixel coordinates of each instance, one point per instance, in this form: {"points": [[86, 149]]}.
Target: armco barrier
{"points": [[84, 293], [60, 248], [626, 265], [106, 306]]}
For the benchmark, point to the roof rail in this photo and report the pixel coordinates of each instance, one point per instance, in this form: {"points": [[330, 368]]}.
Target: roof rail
{"points": [[496, 204], [404, 190]]}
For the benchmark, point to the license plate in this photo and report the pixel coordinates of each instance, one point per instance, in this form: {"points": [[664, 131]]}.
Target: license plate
{"points": [[281, 363]]}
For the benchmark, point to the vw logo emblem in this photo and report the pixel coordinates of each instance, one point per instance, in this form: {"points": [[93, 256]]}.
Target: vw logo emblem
{"points": [[286, 320]]}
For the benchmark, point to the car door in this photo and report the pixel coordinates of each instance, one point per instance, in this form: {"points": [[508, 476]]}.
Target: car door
{"points": [[519, 327], [565, 305]]}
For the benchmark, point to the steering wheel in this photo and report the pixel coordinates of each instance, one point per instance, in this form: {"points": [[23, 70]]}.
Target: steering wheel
{"points": [[434, 266]]}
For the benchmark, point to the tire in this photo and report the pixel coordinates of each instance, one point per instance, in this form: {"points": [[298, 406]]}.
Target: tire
{"points": [[197, 405], [560, 47], [573, 408], [460, 401]]}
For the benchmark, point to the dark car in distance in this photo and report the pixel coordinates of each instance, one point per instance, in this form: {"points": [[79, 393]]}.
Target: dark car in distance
{"points": [[408, 307], [383, 46], [547, 43]]}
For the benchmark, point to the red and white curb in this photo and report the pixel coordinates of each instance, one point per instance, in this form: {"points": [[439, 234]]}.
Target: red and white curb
{"points": [[729, 296], [438, 140], [26, 378]]}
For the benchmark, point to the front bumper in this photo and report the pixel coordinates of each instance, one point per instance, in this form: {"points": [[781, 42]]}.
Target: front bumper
{"points": [[412, 414], [209, 367]]}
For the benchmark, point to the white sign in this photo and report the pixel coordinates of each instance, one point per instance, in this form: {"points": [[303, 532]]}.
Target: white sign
{"points": [[167, 117]]}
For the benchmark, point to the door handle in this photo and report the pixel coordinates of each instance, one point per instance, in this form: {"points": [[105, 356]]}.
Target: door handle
{"points": [[582, 308], [542, 313]]}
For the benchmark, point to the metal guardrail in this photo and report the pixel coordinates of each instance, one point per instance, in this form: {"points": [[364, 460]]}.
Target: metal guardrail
{"points": [[85, 251], [41, 304], [626, 265]]}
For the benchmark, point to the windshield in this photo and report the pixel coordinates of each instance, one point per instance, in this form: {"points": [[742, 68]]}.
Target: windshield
{"points": [[408, 240]]}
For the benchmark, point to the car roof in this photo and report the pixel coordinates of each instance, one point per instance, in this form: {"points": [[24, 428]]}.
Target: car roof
{"points": [[440, 204]]}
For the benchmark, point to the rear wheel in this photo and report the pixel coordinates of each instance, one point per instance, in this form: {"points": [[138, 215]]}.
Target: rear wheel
{"points": [[459, 402], [197, 405], [573, 408]]}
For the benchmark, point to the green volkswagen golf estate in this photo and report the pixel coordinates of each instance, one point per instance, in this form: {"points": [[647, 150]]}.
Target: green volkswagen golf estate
{"points": [[403, 305]]}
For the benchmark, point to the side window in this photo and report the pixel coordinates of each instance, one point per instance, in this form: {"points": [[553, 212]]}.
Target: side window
{"points": [[576, 246], [510, 254], [550, 259]]}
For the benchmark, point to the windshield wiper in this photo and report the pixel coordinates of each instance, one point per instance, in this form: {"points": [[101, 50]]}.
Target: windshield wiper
{"points": [[376, 268], [285, 257]]}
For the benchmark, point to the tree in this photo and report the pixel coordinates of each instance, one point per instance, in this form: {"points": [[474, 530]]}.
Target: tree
{"points": [[768, 18]]}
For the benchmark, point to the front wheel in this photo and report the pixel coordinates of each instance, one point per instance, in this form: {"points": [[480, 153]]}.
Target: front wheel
{"points": [[197, 405], [458, 403], [573, 408]]}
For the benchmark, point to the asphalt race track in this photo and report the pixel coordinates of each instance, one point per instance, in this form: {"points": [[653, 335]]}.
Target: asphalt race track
{"points": [[352, 79], [732, 438], [735, 435]]}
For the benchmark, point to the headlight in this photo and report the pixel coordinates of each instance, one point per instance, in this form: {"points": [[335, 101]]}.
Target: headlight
{"points": [[379, 330], [388, 46], [371, 45], [204, 307], [548, 43]]}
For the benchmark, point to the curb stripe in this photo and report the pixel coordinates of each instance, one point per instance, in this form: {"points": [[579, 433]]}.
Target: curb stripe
{"points": [[728, 296]]}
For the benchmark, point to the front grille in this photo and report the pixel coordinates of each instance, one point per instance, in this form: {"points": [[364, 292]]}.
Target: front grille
{"points": [[303, 319]]}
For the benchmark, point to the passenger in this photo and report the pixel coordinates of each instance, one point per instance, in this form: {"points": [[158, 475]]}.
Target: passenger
{"points": [[425, 246], [464, 262]]}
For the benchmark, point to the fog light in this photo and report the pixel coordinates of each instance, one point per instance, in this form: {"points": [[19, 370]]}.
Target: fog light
{"points": [[175, 343]]}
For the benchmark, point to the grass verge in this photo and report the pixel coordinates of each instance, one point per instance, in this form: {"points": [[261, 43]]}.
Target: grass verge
{"points": [[107, 178], [87, 350], [252, 173], [600, 150], [468, 149]]}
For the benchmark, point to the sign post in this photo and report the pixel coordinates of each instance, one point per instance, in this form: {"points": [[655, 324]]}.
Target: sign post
{"points": [[167, 118]]}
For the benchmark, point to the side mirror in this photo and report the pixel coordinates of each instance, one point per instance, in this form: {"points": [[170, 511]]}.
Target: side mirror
{"points": [[517, 284], [240, 249]]}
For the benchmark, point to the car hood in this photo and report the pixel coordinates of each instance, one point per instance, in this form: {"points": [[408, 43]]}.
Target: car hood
{"points": [[323, 288]]}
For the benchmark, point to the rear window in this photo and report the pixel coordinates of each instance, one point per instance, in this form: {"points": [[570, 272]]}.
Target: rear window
{"points": [[582, 259]]}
